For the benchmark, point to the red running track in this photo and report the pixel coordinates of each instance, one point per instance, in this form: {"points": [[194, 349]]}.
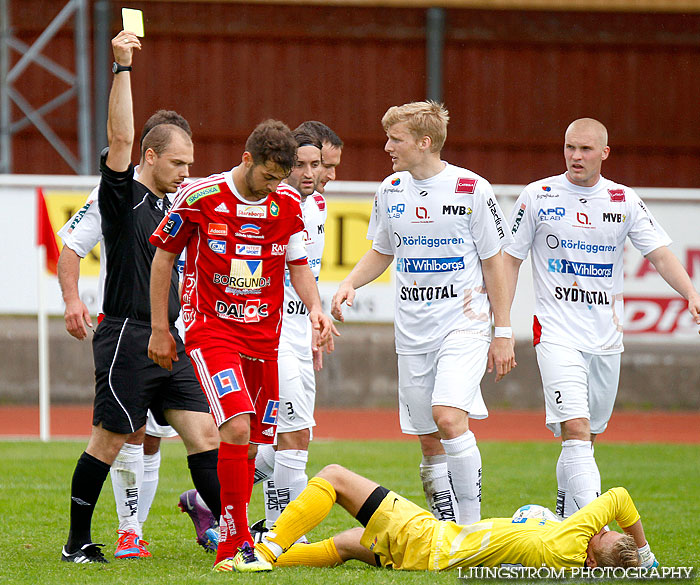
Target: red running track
{"points": [[382, 424]]}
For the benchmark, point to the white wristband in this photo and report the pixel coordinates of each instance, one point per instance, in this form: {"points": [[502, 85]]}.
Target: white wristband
{"points": [[503, 332]]}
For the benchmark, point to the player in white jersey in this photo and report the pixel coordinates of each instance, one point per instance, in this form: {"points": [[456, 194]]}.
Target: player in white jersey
{"points": [[135, 472], [446, 230], [283, 467], [576, 225]]}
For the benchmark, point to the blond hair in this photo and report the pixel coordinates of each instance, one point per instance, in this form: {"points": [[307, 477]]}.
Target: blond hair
{"points": [[427, 118], [622, 553]]}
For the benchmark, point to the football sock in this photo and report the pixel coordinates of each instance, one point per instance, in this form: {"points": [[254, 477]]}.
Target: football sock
{"points": [[89, 476], [299, 517], [235, 492], [264, 463], [289, 481], [436, 487], [315, 554], [464, 466], [269, 500], [203, 469], [581, 472], [127, 477], [149, 485], [565, 503]]}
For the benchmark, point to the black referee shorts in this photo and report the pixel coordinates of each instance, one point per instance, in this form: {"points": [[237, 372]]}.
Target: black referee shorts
{"points": [[128, 383]]}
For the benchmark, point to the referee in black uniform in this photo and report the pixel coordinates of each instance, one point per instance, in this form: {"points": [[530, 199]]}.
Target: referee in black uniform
{"points": [[127, 382]]}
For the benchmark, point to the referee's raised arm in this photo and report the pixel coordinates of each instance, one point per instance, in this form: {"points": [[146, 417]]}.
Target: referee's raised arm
{"points": [[120, 120]]}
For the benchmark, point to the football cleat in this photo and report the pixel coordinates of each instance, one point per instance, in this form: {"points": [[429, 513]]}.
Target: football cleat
{"points": [[130, 546], [203, 519], [88, 553], [224, 566], [257, 531], [247, 560]]}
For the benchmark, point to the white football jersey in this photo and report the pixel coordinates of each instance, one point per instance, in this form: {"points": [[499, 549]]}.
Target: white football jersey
{"points": [[577, 235], [295, 336], [439, 229], [83, 232]]}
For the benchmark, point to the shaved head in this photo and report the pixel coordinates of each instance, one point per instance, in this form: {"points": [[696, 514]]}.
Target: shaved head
{"points": [[590, 125]]}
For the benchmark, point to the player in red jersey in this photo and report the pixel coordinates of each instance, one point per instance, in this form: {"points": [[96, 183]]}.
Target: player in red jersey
{"points": [[239, 230]]}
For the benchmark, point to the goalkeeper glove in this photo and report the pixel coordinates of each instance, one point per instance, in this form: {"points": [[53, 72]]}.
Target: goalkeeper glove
{"points": [[647, 557]]}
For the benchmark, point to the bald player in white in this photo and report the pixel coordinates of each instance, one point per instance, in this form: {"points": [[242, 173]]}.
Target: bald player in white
{"points": [[576, 225]]}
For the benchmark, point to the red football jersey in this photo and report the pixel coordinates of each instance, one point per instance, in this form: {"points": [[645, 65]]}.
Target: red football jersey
{"points": [[233, 282]]}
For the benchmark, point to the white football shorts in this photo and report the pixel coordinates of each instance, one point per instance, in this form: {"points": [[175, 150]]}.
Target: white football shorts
{"points": [[449, 376], [155, 430], [577, 385], [297, 393]]}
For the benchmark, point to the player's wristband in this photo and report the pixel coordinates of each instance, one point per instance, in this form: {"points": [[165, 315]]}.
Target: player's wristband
{"points": [[506, 332]]}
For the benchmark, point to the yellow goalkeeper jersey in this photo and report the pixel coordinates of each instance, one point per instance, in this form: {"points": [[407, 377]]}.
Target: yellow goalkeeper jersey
{"points": [[529, 542]]}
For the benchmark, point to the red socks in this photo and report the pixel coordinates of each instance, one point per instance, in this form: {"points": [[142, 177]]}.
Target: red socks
{"points": [[236, 483]]}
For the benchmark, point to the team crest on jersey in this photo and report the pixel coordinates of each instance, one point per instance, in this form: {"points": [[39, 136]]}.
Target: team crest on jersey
{"points": [[396, 181], [205, 192], [465, 185], [617, 195], [252, 211], [274, 209], [271, 411], [217, 229]]}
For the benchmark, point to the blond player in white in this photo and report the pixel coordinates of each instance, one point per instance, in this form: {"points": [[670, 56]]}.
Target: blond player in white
{"points": [[283, 467], [446, 230], [135, 472], [576, 225]]}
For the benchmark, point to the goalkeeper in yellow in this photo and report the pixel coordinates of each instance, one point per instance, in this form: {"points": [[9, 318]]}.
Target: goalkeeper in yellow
{"points": [[397, 533]]}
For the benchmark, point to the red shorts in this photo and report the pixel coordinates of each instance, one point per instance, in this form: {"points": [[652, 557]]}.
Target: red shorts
{"points": [[237, 384]]}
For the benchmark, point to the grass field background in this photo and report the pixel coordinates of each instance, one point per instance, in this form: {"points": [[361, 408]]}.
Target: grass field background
{"points": [[664, 481]]}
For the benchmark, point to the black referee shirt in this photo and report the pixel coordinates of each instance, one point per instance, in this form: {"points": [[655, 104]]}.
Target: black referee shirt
{"points": [[130, 214]]}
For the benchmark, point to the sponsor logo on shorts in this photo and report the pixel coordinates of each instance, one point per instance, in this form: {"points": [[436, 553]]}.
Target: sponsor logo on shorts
{"points": [[225, 382], [271, 412], [580, 268], [252, 211], [248, 250], [430, 264], [217, 229], [201, 193], [218, 246]]}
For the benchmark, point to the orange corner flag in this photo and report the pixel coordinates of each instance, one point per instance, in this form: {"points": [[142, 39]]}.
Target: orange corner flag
{"points": [[44, 233]]}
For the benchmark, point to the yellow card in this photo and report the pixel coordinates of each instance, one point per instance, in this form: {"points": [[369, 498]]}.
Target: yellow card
{"points": [[133, 21]]}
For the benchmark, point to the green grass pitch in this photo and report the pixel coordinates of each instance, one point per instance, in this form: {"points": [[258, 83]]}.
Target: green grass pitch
{"points": [[34, 500]]}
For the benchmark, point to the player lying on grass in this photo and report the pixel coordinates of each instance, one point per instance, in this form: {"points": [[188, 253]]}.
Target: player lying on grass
{"points": [[399, 534]]}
